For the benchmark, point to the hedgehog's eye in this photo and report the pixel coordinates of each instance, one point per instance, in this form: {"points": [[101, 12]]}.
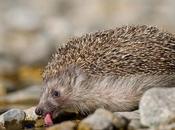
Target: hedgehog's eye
{"points": [[55, 93]]}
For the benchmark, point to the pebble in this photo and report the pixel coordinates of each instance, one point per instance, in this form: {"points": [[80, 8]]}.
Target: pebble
{"points": [[12, 117], [166, 127], [102, 120], [67, 125], [157, 106], [134, 115], [134, 125], [30, 114]]}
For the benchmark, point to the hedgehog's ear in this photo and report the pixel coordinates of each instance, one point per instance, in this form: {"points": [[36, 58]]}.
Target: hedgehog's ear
{"points": [[77, 72], [80, 75]]}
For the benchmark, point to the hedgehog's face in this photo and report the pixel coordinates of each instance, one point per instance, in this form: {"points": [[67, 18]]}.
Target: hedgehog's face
{"points": [[53, 99]]}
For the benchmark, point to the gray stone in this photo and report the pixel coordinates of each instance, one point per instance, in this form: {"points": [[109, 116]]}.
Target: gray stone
{"points": [[102, 120], [157, 106], [30, 114], [16, 115], [134, 125], [134, 115], [166, 127], [31, 117], [67, 125]]}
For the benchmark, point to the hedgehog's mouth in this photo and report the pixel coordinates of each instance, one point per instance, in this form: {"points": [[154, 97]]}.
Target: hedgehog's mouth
{"points": [[50, 116], [48, 120]]}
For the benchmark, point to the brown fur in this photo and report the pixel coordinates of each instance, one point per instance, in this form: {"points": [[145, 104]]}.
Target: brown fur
{"points": [[110, 69]]}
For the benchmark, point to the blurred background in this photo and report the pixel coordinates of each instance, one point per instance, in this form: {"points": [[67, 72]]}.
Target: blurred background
{"points": [[30, 30]]}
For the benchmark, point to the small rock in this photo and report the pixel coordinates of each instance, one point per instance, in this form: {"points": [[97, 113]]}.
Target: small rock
{"points": [[102, 120], [157, 106], [134, 125], [13, 117], [39, 123], [32, 119], [166, 127], [134, 115], [13, 114], [30, 114], [67, 125]]}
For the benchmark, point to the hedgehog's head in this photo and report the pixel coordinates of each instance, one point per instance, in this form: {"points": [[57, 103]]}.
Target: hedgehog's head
{"points": [[58, 93], [53, 99]]}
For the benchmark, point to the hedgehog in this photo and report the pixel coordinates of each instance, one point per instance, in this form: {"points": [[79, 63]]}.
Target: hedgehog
{"points": [[108, 69]]}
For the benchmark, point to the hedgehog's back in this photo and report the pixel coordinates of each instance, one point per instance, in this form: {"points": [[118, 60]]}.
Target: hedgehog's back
{"points": [[122, 51]]}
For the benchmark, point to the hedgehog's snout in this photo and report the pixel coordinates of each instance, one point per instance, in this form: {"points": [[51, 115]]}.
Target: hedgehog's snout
{"points": [[39, 111]]}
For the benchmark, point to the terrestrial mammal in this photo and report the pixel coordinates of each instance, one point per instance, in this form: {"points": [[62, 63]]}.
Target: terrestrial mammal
{"points": [[109, 69]]}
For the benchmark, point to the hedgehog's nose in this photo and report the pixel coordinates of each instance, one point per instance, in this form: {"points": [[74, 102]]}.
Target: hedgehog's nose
{"points": [[39, 111]]}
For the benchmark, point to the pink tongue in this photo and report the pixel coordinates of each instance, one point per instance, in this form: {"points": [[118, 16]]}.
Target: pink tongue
{"points": [[48, 120]]}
